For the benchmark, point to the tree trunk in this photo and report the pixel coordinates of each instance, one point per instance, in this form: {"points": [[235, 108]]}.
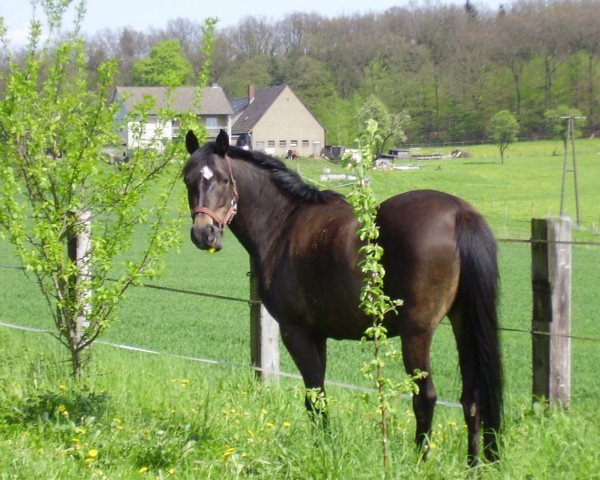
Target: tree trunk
{"points": [[591, 120], [517, 81]]}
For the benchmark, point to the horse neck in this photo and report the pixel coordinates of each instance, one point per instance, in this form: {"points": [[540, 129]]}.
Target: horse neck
{"points": [[263, 210]]}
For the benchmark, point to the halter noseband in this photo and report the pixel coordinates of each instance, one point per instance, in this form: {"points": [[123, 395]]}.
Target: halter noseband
{"points": [[232, 207]]}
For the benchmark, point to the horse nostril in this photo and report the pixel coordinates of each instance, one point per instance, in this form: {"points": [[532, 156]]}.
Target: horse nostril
{"points": [[206, 237]]}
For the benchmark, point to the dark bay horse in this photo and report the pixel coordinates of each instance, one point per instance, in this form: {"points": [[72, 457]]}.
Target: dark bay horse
{"points": [[439, 257]]}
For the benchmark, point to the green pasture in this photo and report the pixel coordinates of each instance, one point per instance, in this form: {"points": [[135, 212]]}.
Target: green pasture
{"points": [[164, 416]]}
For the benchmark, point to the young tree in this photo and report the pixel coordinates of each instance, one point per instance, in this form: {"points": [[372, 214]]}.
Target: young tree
{"points": [[391, 125], [166, 66], [503, 130], [54, 183]]}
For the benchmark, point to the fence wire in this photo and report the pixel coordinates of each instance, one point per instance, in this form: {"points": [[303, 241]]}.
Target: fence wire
{"points": [[208, 361], [257, 302]]}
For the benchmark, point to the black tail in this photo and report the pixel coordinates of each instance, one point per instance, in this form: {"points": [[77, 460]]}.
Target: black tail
{"points": [[478, 293]]}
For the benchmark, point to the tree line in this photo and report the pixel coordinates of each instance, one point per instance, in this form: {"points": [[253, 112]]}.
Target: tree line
{"points": [[445, 69]]}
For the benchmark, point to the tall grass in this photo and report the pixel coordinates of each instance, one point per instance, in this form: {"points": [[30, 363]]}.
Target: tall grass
{"points": [[141, 414]]}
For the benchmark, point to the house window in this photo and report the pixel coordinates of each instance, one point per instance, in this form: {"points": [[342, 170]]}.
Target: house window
{"points": [[176, 125], [211, 122], [271, 143], [293, 143], [305, 143], [282, 143], [260, 145]]}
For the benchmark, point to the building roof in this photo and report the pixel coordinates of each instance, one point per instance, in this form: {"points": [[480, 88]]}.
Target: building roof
{"points": [[250, 112], [213, 101]]}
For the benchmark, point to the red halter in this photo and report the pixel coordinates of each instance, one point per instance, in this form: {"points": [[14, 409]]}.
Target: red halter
{"points": [[232, 207]]}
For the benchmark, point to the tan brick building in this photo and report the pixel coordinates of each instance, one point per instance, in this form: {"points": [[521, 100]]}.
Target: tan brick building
{"points": [[274, 120]]}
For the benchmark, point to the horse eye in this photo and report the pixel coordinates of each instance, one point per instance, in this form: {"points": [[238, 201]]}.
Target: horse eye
{"points": [[226, 180]]}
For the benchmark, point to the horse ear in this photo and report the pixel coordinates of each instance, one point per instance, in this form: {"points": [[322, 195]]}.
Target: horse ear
{"points": [[191, 142], [222, 143]]}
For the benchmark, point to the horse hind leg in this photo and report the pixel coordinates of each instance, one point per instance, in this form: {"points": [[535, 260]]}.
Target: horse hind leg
{"points": [[470, 396], [471, 411], [415, 353]]}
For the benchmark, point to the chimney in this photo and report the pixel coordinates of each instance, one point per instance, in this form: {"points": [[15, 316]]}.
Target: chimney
{"points": [[251, 92]]}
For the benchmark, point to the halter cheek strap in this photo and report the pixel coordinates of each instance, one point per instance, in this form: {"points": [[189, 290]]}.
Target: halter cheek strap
{"points": [[232, 207]]}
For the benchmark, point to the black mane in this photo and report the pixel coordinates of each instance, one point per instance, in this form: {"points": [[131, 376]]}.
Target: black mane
{"points": [[285, 179]]}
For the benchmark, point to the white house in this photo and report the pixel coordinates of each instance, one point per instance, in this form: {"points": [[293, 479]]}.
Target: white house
{"points": [[214, 112]]}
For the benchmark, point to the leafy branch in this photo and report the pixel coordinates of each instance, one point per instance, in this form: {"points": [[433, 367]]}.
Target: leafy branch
{"points": [[373, 300], [55, 185]]}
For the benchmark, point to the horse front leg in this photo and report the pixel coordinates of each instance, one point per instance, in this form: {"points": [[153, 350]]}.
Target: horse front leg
{"points": [[309, 353]]}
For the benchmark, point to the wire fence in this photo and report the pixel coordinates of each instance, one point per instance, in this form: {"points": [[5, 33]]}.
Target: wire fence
{"points": [[256, 302], [532, 331], [220, 363]]}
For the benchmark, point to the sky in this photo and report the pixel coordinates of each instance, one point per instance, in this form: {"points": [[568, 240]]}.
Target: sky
{"points": [[144, 14]]}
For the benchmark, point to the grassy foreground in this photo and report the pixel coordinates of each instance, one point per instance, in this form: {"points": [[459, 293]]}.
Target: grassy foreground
{"points": [[159, 417], [150, 416]]}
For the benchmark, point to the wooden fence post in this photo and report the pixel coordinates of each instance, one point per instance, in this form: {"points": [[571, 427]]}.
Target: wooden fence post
{"points": [[551, 323], [264, 337]]}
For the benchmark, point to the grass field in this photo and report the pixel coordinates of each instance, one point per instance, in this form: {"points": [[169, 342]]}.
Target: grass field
{"points": [[162, 416]]}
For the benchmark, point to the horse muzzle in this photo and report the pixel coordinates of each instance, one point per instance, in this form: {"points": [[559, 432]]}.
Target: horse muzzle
{"points": [[207, 237]]}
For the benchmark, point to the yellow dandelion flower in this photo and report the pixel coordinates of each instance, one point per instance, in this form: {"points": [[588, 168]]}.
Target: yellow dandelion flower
{"points": [[250, 432], [75, 440], [228, 452], [92, 453], [270, 425], [116, 423], [264, 411], [143, 470], [62, 408], [171, 471], [287, 424], [80, 430], [62, 387]]}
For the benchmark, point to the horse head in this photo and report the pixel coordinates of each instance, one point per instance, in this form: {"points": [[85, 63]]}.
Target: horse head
{"points": [[212, 191]]}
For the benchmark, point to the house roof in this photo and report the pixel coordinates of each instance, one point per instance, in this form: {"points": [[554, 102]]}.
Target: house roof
{"points": [[213, 101], [251, 112]]}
